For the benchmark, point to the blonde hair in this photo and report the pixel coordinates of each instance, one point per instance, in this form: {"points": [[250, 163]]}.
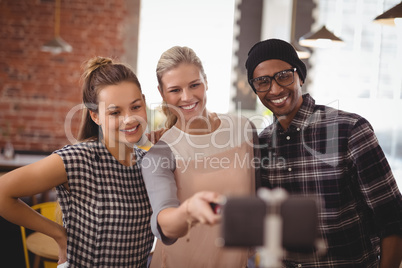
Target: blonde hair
{"points": [[100, 72], [170, 59]]}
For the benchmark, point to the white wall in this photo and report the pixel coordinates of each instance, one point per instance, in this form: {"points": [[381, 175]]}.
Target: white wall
{"points": [[205, 26]]}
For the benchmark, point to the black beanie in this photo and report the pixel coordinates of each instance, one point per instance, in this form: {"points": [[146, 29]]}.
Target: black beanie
{"points": [[274, 49]]}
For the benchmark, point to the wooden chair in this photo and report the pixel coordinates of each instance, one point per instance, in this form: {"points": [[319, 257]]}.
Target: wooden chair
{"points": [[50, 210]]}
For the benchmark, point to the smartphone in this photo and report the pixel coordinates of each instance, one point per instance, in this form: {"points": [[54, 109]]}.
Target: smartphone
{"points": [[243, 222]]}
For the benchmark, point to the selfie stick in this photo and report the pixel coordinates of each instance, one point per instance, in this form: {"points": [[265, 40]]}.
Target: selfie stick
{"points": [[272, 252]]}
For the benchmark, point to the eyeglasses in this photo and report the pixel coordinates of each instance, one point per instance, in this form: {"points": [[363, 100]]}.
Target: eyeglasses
{"points": [[264, 83]]}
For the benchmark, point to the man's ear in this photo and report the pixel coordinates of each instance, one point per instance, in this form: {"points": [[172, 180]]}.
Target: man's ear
{"points": [[95, 117]]}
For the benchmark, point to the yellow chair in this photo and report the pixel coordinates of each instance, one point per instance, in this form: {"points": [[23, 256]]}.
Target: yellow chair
{"points": [[50, 210]]}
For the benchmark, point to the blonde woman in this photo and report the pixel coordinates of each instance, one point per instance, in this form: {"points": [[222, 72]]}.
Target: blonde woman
{"points": [[199, 159]]}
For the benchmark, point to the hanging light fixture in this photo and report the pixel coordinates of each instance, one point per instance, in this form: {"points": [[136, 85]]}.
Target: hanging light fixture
{"points": [[323, 38], [391, 17], [57, 44]]}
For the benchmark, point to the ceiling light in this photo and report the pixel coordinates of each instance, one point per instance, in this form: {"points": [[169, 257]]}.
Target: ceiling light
{"points": [[322, 38], [57, 44], [391, 17]]}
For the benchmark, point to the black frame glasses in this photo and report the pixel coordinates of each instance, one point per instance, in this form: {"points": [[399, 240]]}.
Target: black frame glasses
{"points": [[282, 78]]}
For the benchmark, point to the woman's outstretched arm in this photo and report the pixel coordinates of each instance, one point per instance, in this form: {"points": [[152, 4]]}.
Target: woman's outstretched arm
{"points": [[175, 222]]}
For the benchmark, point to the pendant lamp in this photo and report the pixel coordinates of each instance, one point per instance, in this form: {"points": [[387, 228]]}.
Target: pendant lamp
{"points": [[323, 38], [391, 17], [57, 44]]}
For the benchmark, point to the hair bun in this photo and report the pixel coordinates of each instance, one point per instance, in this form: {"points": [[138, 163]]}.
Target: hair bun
{"points": [[95, 63]]}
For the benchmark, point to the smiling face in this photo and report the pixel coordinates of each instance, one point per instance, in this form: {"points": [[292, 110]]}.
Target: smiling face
{"points": [[282, 101], [184, 91], [121, 114]]}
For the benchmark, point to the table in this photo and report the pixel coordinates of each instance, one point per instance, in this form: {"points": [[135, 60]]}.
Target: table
{"points": [[19, 160], [43, 246]]}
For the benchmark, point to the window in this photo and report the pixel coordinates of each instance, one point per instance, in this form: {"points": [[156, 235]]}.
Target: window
{"points": [[365, 75]]}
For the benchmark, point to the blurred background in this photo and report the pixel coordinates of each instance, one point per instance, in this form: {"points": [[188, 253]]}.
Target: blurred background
{"points": [[43, 44]]}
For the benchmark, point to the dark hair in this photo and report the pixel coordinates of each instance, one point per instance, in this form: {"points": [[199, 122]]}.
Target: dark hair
{"points": [[100, 72], [170, 59]]}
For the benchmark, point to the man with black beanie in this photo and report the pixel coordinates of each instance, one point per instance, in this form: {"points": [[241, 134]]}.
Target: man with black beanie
{"points": [[327, 153]]}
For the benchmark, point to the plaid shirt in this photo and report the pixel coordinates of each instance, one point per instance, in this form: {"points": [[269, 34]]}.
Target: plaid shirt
{"points": [[107, 211], [335, 155]]}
